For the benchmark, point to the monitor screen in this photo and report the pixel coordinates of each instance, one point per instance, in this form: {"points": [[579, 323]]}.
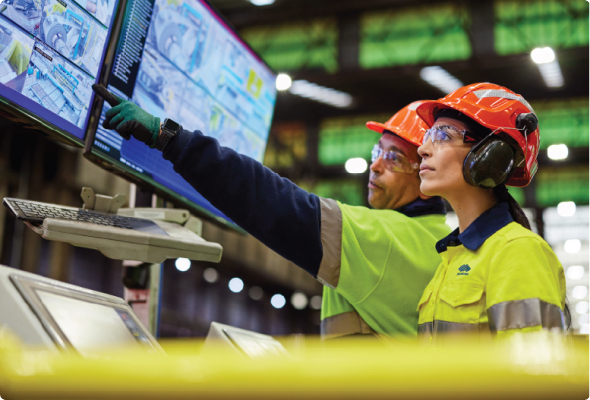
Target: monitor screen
{"points": [[89, 326], [179, 60], [51, 52]]}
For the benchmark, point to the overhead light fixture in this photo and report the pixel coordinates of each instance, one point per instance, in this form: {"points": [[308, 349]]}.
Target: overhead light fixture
{"points": [[548, 65], [441, 79], [182, 264], [322, 94], [256, 293], [572, 246], [261, 2], [582, 307], [580, 292], [557, 152], [356, 165], [566, 208], [575, 272], [316, 302], [236, 285], [278, 301], [283, 82], [299, 300], [210, 275]]}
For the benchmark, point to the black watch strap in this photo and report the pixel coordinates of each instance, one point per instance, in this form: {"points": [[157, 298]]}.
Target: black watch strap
{"points": [[169, 130]]}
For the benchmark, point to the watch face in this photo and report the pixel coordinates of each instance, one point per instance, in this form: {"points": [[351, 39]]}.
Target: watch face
{"points": [[171, 125]]}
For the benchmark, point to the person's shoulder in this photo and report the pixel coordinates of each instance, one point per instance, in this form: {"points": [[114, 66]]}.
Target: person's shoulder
{"points": [[514, 233]]}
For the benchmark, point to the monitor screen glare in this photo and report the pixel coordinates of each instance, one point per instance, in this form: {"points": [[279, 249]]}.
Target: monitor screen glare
{"points": [[179, 60], [51, 52]]}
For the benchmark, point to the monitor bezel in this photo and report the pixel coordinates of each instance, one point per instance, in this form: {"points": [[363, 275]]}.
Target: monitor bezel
{"points": [[30, 120], [28, 288], [147, 184]]}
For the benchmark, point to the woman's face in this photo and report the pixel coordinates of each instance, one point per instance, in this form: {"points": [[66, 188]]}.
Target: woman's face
{"points": [[441, 170]]}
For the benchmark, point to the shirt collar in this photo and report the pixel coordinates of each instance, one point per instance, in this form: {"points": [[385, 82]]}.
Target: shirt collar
{"points": [[479, 231], [420, 207]]}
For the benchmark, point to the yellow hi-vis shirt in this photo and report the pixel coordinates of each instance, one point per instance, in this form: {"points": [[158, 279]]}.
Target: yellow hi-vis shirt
{"points": [[376, 264], [496, 277]]}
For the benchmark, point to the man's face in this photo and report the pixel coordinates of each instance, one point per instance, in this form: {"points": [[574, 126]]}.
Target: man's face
{"points": [[388, 189]]}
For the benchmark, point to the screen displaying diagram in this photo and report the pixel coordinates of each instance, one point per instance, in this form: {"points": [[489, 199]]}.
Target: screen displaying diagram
{"points": [[51, 52], [196, 71]]}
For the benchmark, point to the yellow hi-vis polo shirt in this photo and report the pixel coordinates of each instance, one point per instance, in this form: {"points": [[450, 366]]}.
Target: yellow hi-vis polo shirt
{"points": [[376, 264], [496, 277]]}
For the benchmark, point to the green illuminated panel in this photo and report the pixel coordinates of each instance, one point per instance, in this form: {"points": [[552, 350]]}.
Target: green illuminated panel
{"points": [[554, 187], [415, 35], [523, 25], [563, 121], [346, 191], [308, 44], [518, 194], [344, 138]]}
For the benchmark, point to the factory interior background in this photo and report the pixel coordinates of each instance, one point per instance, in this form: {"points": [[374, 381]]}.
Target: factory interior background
{"points": [[345, 62]]}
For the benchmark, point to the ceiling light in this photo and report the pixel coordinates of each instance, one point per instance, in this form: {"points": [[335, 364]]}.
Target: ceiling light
{"points": [[575, 272], [322, 94], [566, 208], [583, 319], [210, 275], [278, 301], [182, 264], [283, 82], [441, 79], [584, 329], [299, 300], [557, 152], [236, 285], [582, 307], [572, 246], [543, 55], [316, 302], [255, 293], [580, 292], [356, 165], [261, 2]]}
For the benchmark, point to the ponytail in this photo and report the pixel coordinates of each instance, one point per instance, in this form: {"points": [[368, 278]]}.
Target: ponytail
{"points": [[501, 195]]}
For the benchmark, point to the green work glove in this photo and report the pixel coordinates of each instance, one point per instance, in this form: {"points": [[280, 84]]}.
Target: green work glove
{"points": [[127, 119]]}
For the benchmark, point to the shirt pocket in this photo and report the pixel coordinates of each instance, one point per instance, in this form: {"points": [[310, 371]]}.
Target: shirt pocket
{"points": [[463, 301], [425, 297]]}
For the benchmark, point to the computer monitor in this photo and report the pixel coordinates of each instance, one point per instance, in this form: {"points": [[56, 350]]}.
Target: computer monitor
{"points": [[180, 60], [248, 343], [41, 311], [51, 52]]}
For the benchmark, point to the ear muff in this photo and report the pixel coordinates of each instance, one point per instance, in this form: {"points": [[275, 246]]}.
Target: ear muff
{"points": [[489, 163]]}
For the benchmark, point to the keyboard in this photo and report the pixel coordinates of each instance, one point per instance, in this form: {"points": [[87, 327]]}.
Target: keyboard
{"points": [[35, 212]]}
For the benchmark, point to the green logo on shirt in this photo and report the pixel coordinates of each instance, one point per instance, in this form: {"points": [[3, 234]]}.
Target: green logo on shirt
{"points": [[464, 269]]}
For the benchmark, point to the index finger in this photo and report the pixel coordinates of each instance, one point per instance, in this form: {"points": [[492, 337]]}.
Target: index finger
{"points": [[106, 95]]}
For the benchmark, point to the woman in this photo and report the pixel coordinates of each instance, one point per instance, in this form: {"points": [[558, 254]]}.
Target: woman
{"points": [[496, 276]]}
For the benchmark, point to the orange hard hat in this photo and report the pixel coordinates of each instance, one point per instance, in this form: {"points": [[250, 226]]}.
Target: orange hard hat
{"points": [[405, 123], [503, 112]]}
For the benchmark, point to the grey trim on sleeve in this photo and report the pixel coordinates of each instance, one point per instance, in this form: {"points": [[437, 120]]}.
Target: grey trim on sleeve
{"points": [[525, 313], [331, 236], [348, 323]]}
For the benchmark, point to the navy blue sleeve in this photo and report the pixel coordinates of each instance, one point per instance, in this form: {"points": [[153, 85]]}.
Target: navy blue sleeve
{"points": [[274, 210]]}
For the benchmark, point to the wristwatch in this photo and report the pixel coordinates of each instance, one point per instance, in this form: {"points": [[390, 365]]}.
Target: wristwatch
{"points": [[169, 130]]}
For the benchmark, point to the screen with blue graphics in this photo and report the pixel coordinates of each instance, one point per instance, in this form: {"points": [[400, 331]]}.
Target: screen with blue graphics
{"points": [[178, 59], [51, 52]]}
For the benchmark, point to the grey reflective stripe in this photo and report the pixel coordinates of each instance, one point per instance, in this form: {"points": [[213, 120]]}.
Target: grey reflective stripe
{"points": [[425, 332], [348, 323], [446, 326], [331, 235], [525, 313], [503, 95]]}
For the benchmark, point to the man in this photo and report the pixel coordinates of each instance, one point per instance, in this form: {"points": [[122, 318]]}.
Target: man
{"points": [[374, 263]]}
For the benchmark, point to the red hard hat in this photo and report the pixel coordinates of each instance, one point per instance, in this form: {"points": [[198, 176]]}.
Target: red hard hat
{"points": [[496, 108], [405, 124]]}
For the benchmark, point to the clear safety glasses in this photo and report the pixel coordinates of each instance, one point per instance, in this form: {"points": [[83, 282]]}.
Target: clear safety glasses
{"points": [[443, 134], [394, 160]]}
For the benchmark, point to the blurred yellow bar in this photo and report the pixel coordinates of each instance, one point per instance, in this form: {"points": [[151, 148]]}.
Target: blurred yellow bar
{"points": [[528, 367]]}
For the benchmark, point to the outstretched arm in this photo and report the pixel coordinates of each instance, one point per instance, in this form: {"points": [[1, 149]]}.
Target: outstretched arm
{"points": [[273, 209]]}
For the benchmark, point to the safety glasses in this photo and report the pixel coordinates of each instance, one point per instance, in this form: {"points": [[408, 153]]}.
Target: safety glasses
{"points": [[443, 134], [393, 160]]}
